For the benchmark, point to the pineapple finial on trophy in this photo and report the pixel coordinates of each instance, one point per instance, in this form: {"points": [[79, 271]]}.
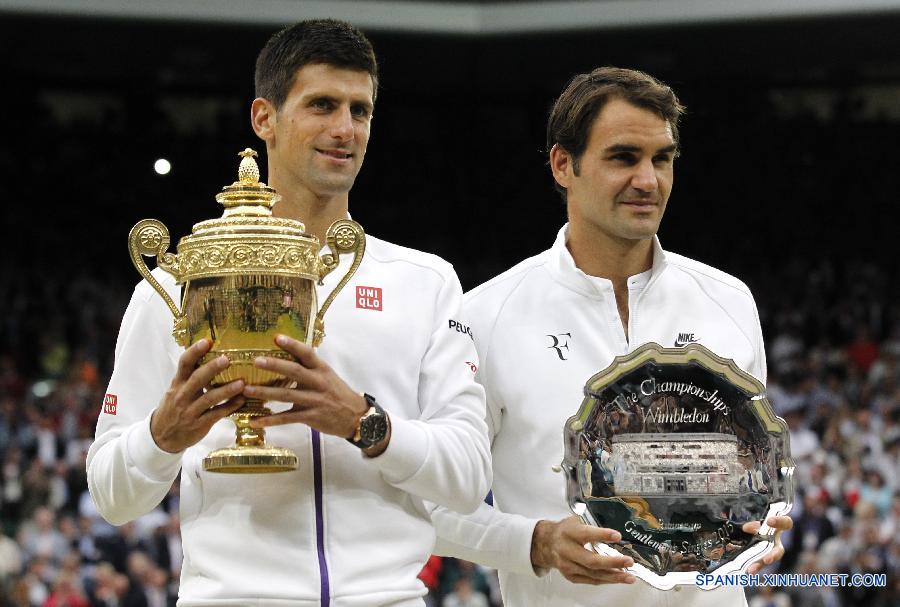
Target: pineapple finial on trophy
{"points": [[248, 171], [248, 196]]}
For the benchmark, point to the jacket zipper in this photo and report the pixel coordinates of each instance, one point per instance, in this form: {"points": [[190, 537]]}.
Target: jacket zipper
{"points": [[324, 585]]}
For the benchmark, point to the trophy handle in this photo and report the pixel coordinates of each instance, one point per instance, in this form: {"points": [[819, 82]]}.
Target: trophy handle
{"points": [[343, 236], [150, 237]]}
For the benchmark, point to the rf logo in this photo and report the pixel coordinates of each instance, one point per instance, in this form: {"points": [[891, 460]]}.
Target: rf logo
{"points": [[560, 343]]}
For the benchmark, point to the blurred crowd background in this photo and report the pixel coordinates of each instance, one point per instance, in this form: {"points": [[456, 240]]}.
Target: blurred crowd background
{"points": [[788, 180]]}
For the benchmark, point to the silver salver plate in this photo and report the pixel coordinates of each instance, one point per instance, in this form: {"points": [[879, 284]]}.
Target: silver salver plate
{"points": [[678, 448]]}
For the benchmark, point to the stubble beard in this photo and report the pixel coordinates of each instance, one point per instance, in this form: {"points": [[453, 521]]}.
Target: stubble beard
{"points": [[331, 183]]}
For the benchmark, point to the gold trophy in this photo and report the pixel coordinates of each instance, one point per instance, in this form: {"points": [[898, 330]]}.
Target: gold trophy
{"points": [[246, 277]]}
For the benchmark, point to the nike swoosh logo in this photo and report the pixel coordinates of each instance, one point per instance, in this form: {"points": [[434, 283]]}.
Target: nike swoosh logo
{"points": [[681, 344]]}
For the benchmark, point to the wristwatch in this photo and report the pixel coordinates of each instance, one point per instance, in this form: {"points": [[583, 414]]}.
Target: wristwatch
{"points": [[372, 427]]}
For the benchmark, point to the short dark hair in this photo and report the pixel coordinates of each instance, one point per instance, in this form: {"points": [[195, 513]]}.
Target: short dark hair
{"points": [[574, 112], [317, 41]]}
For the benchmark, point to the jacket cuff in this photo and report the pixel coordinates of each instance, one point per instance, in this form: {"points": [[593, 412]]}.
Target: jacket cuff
{"points": [[520, 535], [406, 452], [142, 453]]}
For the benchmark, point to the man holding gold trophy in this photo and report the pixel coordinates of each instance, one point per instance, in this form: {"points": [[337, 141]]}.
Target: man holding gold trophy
{"points": [[328, 509], [603, 294]]}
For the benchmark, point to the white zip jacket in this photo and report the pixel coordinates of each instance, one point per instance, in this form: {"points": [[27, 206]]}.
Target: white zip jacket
{"points": [[542, 329], [342, 530]]}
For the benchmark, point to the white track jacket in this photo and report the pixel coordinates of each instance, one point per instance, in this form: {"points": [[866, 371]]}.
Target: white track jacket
{"points": [[341, 530], [542, 329]]}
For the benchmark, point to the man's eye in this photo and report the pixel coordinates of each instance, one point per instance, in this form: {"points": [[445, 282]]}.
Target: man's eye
{"points": [[664, 159], [624, 158], [359, 111], [321, 104]]}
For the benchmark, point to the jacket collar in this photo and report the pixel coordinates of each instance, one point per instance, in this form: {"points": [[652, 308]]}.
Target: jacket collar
{"points": [[562, 266]]}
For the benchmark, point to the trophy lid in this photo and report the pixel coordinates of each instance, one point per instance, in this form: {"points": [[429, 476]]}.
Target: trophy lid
{"points": [[247, 239]]}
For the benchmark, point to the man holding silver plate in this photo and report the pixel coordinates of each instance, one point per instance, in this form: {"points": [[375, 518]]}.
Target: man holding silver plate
{"points": [[650, 362], [328, 509]]}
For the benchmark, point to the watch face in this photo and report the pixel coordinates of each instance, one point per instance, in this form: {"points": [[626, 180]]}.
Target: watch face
{"points": [[373, 428]]}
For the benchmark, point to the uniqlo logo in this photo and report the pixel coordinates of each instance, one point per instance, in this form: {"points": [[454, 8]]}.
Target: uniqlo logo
{"points": [[109, 404], [368, 298]]}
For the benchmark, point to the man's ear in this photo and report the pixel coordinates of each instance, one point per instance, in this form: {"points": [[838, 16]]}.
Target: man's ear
{"points": [[263, 117], [562, 165]]}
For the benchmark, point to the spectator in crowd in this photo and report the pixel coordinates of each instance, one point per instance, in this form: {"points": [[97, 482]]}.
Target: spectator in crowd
{"points": [[10, 561], [40, 537], [863, 351], [66, 592], [875, 492], [431, 577], [770, 597], [107, 587], [464, 595]]}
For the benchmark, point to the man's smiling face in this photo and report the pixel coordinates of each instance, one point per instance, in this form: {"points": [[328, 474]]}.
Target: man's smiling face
{"points": [[321, 130]]}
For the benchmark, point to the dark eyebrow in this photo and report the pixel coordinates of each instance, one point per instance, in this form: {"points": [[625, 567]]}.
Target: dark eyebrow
{"points": [[365, 104], [618, 148], [669, 149], [327, 98], [633, 149]]}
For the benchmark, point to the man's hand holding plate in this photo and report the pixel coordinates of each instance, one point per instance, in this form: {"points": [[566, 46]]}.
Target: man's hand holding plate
{"points": [[780, 524], [561, 545]]}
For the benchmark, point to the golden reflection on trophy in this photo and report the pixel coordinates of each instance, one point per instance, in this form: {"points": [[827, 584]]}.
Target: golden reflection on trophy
{"points": [[246, 277]]}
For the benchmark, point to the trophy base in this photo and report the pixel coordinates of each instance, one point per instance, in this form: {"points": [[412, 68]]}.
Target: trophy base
{"points": [[250, 460]]}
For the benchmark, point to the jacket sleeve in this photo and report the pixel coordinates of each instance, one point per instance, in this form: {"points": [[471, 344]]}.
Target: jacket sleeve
{"points": [[487, 536], [128, 475], [444, 456], [760, 369]]}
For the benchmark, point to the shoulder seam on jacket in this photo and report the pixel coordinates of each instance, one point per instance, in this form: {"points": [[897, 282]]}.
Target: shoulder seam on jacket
{"points": [[501, 279], [736, 283], [521, 275], [740, 327], [418, 264]]}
